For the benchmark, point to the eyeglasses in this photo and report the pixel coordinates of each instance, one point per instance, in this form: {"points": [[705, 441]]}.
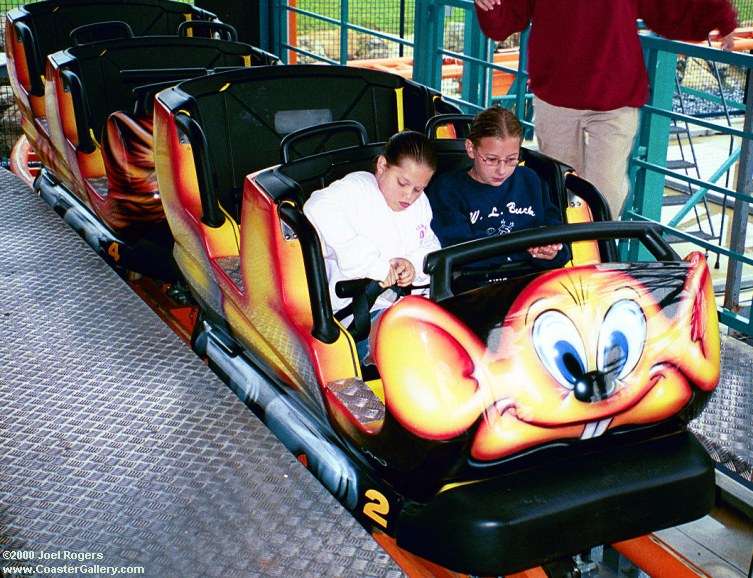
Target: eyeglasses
{"points": [[495, 162]]}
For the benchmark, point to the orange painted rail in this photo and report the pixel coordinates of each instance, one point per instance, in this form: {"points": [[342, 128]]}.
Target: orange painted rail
{"points": [[657, 559], [452, 69]]}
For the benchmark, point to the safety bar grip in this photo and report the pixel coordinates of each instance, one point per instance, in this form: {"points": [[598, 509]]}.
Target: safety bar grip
{"points": [[589, 193], [349, 288], [144, 94], [329, 128], [25, 35], [145, 75], [325, 328], [211, 216], [439, 119], [99, 31], [226, 31], [72, 84], [598, 206], [440, 264]]}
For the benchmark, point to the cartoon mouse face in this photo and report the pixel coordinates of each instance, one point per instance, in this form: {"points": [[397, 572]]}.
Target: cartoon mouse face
{"points": [[580, 352]]}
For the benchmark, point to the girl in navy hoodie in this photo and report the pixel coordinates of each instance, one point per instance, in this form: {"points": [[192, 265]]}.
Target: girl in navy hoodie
{"points": [[495, 196]]}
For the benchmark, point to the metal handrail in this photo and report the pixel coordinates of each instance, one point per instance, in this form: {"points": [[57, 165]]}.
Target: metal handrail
{"points": [[654, 137]]}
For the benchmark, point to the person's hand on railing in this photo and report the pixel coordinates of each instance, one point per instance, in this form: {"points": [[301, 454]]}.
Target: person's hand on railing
{"points": [[728, 42], [487, 5], [546, 252]]}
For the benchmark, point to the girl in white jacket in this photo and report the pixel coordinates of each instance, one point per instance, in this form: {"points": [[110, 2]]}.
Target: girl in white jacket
{"points": [[377, 225]]}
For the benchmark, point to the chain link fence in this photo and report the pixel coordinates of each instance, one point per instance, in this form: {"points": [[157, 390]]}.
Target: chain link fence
{"points": [[709, 89], [314, 30], [10, 119]]}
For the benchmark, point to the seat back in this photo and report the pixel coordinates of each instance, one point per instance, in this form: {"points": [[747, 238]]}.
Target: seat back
{"points": [[110, 71], [245, 114], [41, 28]]}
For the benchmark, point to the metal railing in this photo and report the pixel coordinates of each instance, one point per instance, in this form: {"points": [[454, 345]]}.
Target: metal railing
{"points": [[650, 171], [480, 70], [341, 31], [440, 44]]}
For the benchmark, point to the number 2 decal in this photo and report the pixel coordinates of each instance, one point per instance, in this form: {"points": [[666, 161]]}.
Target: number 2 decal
{"points": [[377, 508]]}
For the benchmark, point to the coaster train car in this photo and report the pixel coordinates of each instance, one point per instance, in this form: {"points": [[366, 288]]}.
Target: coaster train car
{"points": [[503, 427]]}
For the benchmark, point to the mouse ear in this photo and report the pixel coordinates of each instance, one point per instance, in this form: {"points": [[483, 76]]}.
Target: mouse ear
{"points": [[697, 320], [427, 360]]}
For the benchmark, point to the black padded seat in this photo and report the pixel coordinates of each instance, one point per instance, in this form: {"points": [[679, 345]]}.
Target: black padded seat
{"points": [[47, 25], [110, 71], [244, 114]]}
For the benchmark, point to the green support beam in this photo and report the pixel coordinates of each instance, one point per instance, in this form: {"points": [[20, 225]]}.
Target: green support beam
{"points": [[429, 28], [476, 86], [344, 15], [654, 139]]}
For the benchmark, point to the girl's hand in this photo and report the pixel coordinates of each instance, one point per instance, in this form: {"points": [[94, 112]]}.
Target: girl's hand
{"points": [[547, 252], [390, 279], [487, 5], [404, 270]]}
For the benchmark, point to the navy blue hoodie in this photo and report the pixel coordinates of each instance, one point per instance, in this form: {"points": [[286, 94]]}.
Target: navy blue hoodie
{"points": [[465, 209]]}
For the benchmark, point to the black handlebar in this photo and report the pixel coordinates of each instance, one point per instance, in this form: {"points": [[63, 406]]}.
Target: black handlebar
{"points": [[225, 31], [210, 205], [72, 84], [98, 31], [440, 119], [319, 130], [33, 65], [440, 264], [325, 328]]}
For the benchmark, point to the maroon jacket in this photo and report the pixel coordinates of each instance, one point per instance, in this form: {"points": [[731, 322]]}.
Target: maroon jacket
{"points": [[586, 54]]}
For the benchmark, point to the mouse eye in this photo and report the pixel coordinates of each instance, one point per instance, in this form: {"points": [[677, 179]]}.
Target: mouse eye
{"points": [[559, 347], [621, 338]]}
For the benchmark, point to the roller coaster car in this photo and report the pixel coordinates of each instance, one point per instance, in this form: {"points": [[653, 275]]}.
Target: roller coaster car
{"points": [[99, 159], [37, 30], [504, 426]]}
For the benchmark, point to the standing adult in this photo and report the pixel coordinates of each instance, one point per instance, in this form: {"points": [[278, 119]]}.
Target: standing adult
{"points": [[587, 73]]}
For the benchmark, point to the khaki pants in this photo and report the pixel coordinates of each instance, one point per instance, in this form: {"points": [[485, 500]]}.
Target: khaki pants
{"points": [[596, 144]]}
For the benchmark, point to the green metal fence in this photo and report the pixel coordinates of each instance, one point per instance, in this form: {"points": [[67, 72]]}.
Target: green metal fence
{"points": [[339, 31], [730, 200], [438, 43]]}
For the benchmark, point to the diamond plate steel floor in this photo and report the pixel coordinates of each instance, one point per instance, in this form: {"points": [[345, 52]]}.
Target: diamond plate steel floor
{"points": [[116, 439], [725, 427]]}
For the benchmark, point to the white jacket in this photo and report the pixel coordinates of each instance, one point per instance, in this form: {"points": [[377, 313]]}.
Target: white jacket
{"points": [[360, 233]]}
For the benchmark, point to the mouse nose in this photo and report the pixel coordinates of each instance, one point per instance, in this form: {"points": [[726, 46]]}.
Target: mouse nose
{"points": [[594, 386]]}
